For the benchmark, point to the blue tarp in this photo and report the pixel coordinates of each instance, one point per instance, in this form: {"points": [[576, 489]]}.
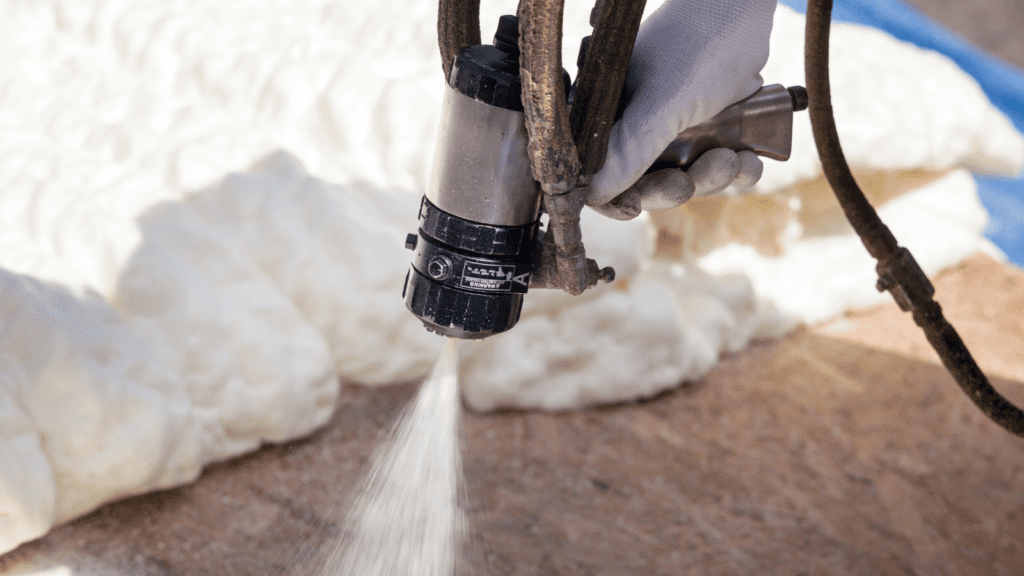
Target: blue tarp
{"points": [[1004, 84]]}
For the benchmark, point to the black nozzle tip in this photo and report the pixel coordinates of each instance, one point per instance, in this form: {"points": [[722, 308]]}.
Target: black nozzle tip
{"points": [[800, 99], [507, 36], [459, 313]]}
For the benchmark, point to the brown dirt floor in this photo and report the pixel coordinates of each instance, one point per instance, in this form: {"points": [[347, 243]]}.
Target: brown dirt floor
{"points": [[842, 449]]}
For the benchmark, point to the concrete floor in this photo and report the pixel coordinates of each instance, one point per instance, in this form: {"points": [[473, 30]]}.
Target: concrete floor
{"points": [[844, 449]]}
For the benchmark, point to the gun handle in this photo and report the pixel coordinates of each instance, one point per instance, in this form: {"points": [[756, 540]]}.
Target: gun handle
{"points": [[761, 123]]}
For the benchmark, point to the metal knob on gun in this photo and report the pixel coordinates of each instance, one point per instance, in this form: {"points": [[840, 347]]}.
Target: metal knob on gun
{"points": [[761, 123]]}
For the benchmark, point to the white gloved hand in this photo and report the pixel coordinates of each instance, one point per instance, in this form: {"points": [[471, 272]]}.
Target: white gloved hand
{"points": [[692, 58], [712, 172]]}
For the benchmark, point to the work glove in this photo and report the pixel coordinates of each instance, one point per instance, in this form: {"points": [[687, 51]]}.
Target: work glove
{"points": [[692, 58]]}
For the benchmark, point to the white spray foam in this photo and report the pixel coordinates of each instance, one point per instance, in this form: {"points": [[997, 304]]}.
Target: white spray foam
{"points": [[406, 518]]}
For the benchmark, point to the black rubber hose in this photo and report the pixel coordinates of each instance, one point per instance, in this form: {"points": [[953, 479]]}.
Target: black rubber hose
{"points": [[899, 273]]}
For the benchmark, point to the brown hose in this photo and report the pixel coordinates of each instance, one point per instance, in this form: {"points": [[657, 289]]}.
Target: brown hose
{"points": [[898, 272], [600, 79], [458, 26], [551, 148]]}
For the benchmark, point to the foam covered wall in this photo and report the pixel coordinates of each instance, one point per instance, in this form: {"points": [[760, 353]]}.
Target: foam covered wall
{"points": [[203, 209]]}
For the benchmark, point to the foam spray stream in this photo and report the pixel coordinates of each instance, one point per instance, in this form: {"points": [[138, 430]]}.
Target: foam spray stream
{"points": [[405, 519]]}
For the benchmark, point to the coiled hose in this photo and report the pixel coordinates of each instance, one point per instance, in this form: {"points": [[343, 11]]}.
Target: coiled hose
{"points": [[898, 272]]}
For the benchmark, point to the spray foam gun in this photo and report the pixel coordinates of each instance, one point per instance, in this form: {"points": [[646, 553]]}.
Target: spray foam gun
{"points": [[478, 248], [479, 220]]}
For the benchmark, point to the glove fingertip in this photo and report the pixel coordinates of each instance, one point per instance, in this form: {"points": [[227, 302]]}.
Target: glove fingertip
{"points": [[714, 171], [665, 189], [625, 206], [751, 169]]}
